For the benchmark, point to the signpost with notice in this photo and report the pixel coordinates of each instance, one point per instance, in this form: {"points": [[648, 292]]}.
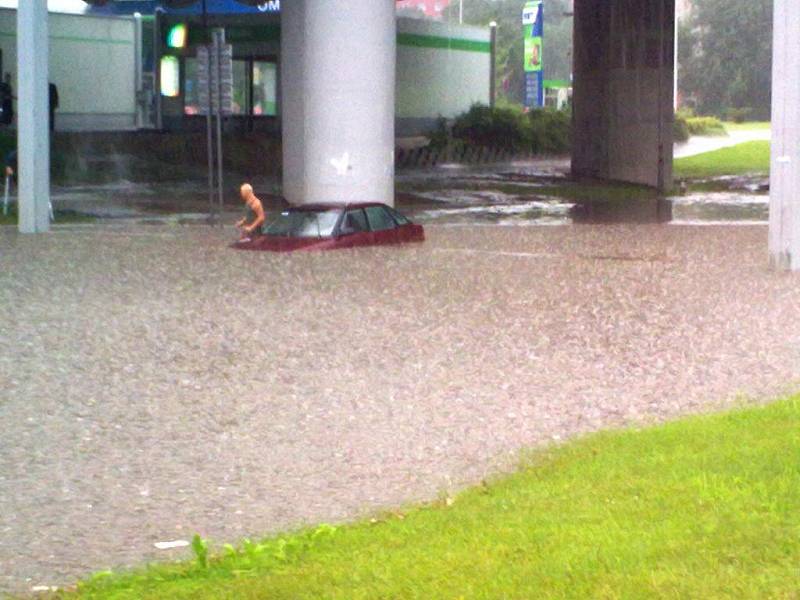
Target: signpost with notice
{"points": [[215, 99], [533, 28]]}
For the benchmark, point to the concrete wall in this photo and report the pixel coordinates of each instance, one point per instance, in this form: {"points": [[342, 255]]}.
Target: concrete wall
{"points": [[623, 90], [442, 69], [92, 61]]}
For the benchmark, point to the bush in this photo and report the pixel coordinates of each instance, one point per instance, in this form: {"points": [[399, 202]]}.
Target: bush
{"points": [[705, 126], [680, 128], [544, 131], [493, 127], [550, 131]]}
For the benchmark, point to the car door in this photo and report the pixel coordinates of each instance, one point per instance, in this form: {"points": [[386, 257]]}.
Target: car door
{"points": [[405, 228], [382, 225], [354, 230]]}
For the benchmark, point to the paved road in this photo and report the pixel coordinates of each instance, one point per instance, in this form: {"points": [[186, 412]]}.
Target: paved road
{"points": [[154, 383], [701, 143]]}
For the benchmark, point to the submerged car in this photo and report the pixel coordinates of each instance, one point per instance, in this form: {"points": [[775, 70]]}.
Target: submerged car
{"points": [[332, 226]]}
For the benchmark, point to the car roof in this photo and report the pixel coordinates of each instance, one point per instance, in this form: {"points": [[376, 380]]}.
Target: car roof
{"points": [[334, 205]]}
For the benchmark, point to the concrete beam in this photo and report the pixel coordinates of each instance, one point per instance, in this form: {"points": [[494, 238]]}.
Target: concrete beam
{"points": [[623, 90], [338, 88], [784, 210], [33, 134]]}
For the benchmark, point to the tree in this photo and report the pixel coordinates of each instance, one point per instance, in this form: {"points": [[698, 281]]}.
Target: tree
{"points": [[508, 16], [726, 56]]}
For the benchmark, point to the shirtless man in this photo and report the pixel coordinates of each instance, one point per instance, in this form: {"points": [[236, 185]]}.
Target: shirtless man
{"points": [[257, 212]]}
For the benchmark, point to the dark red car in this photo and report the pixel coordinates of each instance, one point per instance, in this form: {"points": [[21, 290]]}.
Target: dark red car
{"points": [[332, 226]]}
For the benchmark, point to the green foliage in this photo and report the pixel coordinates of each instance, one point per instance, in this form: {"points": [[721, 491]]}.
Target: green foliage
{"points": [[725, 57], [706, 507], [742, 159], [200, 549], [705, 126], [680, 128], [508, 16], [550, 131], [544, 131], [494, 127]]}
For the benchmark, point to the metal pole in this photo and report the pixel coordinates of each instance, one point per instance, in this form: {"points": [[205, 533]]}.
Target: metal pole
{"points": [[209, 139], [137, 74], [493, 65], [219, 42], [157, 58], [460, 12]]}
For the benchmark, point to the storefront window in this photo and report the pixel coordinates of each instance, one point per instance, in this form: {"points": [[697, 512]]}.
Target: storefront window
{"points": [[241, 88], [265, 89]]}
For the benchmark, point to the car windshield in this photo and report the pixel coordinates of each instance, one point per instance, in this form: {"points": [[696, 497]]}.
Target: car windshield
{"points": [[304, 223]]}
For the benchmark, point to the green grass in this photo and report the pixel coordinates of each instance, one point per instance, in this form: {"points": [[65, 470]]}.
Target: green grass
{"points": [[748, 126], [742, 159], [706, 507], [61, 216]]}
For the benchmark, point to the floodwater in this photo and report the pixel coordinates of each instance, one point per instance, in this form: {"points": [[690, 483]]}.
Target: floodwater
{"points": [[513, 195], [531, 193]]}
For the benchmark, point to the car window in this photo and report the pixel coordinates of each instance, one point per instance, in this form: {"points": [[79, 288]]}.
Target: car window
{"points": [[379, 219], [304, 223], [401, 220], [354, 222]]}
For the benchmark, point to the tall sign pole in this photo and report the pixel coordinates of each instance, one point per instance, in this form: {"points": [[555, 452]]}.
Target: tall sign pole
{"points": [[215, 95], [533, 29]]}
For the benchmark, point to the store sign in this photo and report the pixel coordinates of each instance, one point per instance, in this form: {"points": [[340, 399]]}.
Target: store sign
{"points": [[533, 31], [530, 13], [272, 6]]}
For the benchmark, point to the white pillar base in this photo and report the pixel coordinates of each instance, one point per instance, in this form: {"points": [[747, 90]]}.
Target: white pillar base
{"points": [[338, 85], [784, 209], [33, 134]]}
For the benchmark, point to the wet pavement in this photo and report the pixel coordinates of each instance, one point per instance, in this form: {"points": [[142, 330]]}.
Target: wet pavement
{"points": [[526, 193]]}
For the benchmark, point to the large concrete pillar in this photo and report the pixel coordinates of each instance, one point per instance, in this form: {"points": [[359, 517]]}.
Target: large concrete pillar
{"points": [[338, 100], [784, 210], [33, 135], [623, 90]]}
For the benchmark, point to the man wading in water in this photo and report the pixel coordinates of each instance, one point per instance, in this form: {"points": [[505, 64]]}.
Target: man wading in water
{"points": [[256, 214]]}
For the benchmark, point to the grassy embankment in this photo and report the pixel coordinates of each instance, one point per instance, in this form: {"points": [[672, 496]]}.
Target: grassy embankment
{"points": [[749, 158], [705, 507], [748, 126]]}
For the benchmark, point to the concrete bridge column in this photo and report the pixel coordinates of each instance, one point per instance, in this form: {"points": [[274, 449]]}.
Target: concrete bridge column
{"points": [[338, 100], [784, 210], [33, 135], [623, 90]]}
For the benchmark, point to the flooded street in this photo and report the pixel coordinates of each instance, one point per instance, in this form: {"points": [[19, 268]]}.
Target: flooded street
{"points": [[538, 309], [157, 384], [525, 193]]}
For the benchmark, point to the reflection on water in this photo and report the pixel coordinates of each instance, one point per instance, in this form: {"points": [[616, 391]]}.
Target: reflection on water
{"points": [[510, 195], [721, 207]]}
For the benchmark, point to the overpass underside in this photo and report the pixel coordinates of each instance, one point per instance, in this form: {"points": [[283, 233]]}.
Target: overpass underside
{"points": [[623, 90]]}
